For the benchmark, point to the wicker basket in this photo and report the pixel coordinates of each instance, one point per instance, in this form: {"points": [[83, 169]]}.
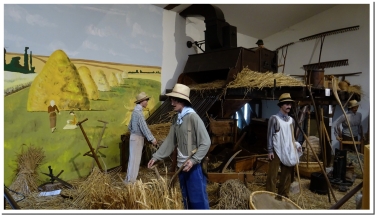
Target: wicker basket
{"points": [[306, 168], [265, 200]]}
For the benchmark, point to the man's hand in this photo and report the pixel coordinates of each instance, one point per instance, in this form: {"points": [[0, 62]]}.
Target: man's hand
{"points": [[150, 163], [299, 148], [270, 156], [338, 138], [154, 142], [188, 165]]}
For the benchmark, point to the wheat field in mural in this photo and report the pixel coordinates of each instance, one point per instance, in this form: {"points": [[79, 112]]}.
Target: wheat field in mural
{"points": [[64, 148]]}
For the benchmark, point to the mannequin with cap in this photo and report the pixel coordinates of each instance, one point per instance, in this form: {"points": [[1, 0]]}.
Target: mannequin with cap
{"points": [[283, 152], [138, 132], [355, 120], [192, 180]]}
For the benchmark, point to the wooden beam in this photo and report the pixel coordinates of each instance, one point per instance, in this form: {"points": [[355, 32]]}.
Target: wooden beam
{"points": [[170, 6], [223, 177], [340, 74]]}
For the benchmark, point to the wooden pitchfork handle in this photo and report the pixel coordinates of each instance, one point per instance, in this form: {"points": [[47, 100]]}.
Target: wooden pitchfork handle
{"points": [[180, 169]]}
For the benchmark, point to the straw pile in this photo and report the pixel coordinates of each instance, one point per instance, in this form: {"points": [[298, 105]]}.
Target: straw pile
{"points": [[160, 131], [214, 85], [256, 80], [28, 161], [233, 195], [355, 89], [101, 191]]}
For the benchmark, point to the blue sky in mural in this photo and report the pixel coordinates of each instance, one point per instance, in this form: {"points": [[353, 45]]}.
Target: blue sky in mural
{"points": [[121, 33]]}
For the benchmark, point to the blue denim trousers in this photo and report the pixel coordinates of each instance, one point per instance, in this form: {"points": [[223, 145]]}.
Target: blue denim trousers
{"points": [[193, 188]]}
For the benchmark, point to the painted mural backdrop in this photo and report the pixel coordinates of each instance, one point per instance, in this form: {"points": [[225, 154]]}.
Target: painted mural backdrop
{"points": [[67, 63]]}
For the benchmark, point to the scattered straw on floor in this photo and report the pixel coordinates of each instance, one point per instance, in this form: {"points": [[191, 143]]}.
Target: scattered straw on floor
{"points": [[107, 191], [101, 191]]}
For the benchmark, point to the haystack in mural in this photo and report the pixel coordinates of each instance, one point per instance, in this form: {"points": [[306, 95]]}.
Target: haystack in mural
{"points": [[112, 80], [101, 81], [119, 78], [59, 81], [88, 81], [124, 74]]}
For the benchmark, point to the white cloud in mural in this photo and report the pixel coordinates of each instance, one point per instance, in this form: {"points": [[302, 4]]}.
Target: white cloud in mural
{"points": [[19, 14], [142, 46], [137, 30], [56, 44], [12, 37], [89, 45], [154, 9], [112, 11], [13, 12], [128, 20], [101, 32], [109, 32], [38, 20]]}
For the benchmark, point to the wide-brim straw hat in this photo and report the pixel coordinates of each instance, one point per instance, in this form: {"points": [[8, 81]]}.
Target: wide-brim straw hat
{"points": [[285, 97], [141, 97], [180, 91], [353, 103]]}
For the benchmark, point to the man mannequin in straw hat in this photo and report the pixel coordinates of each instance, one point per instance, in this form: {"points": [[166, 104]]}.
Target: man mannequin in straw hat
{"points": [[283, 152], [138, 131], [355, 120], [260, 44], [192, 180]]}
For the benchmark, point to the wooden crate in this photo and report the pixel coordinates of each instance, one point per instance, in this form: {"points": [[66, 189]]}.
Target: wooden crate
{"points": [[261, 165], [245, 164]]}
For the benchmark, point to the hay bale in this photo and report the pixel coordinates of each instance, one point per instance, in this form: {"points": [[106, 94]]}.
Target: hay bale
{"points": [[308, 155], [233, 195], [28, 162], [351, 157]]}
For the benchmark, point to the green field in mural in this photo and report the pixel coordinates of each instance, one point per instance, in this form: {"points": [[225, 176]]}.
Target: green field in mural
{"points": [[64, 149]]}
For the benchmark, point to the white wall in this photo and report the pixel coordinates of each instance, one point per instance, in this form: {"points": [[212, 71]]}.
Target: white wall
{"points": [[175, 51], [351, 45]]}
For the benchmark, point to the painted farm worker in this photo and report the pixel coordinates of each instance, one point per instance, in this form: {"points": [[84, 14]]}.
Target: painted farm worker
{"points": [[74, 120], [355, 120], [260, 43], [138, 132], [282, 151], [192, 180], [52, 109]]}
